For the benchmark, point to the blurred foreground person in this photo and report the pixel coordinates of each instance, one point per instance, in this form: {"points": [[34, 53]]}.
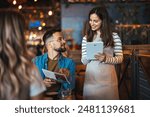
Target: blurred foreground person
{"points": [[19, 78]]}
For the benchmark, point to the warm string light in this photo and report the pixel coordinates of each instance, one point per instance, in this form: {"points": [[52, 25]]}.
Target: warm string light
{"points": [[50, 13], [39, 28], [20, 7], [14, 2], [43, 24], [39, 15]]}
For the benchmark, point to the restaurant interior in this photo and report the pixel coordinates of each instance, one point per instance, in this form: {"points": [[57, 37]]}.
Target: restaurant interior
{"points": [[130, 18]]}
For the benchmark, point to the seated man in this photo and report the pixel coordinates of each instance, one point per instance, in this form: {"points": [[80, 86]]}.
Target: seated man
{"points": [[54, 60]]}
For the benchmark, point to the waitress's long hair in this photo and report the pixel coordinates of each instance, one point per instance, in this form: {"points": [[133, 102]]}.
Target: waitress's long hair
{"points": [[105, 29], [15, 66]]}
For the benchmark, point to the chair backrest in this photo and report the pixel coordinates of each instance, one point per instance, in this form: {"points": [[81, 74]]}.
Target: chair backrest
{"points": [[80, 75], [80, 70]]}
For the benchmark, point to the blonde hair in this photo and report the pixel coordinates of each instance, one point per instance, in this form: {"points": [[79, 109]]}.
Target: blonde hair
{"points": [[15, 65]]}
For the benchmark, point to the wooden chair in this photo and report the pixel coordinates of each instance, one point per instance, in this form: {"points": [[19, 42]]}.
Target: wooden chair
{"points": [[80, 70], [80, 75]]}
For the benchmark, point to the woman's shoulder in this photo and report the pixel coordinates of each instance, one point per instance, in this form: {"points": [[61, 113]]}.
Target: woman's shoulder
{"points": [[84, 38], [116, 38], [114, 33]]}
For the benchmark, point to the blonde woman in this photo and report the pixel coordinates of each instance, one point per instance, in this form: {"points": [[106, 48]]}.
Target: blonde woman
{"points": [[19, 78]]}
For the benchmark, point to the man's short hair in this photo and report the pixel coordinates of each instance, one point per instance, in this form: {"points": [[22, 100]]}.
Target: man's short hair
{"points": [[49, 33]]}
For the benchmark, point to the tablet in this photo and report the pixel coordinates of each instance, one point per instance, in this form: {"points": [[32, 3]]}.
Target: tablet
{"points": [[92, 48], [55, 75]]}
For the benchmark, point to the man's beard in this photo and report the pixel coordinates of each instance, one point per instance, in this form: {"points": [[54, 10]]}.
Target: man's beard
{"points": [[60, 50]]}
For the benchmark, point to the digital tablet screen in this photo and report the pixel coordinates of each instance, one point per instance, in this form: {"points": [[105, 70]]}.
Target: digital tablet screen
{"points": [[93, 48], [55, 75]]}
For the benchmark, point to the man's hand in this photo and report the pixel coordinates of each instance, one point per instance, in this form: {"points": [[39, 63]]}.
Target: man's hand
{"points": [[64, 71], [48, 82]]}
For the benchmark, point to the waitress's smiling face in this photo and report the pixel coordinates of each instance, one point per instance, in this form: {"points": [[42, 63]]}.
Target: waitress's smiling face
{"points": [[95, 22]]}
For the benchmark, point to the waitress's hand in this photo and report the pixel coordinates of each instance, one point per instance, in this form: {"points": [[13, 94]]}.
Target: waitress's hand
{"points": [[101, 57], [64, 71], [48, 82]]}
